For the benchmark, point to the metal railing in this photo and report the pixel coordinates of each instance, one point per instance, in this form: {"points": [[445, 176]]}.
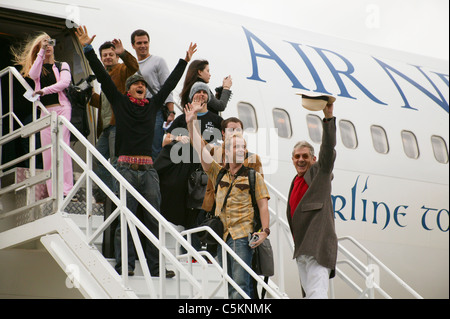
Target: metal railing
{"points": [[127, 218], [370, 273]]}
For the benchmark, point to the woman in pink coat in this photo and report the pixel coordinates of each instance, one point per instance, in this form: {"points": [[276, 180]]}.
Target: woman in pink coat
{"points": [[38, 62]]}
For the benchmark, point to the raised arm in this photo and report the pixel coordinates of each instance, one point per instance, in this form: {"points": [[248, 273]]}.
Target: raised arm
{"points": [[174, 77], [131, 66], [198, 143], [327, 153], [108, 86]]}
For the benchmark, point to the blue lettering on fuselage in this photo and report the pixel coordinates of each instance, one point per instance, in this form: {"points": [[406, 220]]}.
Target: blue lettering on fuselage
{"points": [[384, 214], [340, 74]]}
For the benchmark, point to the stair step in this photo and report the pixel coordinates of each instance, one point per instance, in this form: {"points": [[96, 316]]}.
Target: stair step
{"points": [[139, 285]]}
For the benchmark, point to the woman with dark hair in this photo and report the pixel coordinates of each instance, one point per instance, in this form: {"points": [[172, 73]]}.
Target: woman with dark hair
{"points": [[199, 71]]}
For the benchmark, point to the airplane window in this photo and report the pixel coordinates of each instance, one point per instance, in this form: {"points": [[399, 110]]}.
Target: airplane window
{"points": [[314, 127], [247, 115], [410, 144], [282, 122], [440, 149], [379, 139], [348, 134]]}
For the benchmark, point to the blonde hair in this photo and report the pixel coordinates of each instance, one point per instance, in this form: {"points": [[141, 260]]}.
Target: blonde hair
{"points": [[235, 134], [26, 54], [229, 142]]}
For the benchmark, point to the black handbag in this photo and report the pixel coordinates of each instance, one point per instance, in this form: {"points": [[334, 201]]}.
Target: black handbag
{"points": [[79, 96], [262, 262], [216, 225], [263, 265], [197, 183]]}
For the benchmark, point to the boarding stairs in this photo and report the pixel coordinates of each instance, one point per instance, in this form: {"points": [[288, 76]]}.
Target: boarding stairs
{"points": [[56, 243]]}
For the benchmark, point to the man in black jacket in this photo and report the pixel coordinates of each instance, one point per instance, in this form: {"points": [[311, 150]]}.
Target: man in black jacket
{"points": [[135, 122]]}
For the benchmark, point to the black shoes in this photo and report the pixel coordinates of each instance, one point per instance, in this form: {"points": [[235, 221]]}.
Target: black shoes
{"points": [[169, 273]]}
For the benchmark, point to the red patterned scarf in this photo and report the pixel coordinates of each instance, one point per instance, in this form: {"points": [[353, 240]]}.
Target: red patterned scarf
{"points": [[140, 102]]}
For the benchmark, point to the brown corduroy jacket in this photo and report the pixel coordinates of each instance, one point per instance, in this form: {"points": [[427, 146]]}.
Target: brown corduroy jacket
{"points": [[312, 225]]}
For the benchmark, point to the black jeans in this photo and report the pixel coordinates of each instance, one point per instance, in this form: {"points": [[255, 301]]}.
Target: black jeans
{"points": [[146, 183]]}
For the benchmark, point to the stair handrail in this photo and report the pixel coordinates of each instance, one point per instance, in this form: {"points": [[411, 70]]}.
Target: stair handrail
{"points": [[12, 74], [227, 249], [368, 271], [120, 206], [58, 146], [355, 263], [131, 219]]}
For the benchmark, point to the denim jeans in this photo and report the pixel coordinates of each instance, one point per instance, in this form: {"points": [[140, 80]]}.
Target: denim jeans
{"points": [[106, 147], [158, 135], [147, 184], [237, 272]]}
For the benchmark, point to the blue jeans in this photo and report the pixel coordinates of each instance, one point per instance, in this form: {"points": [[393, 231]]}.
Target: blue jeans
{"points": [[147, 184], [158, 135], [106, 147], [237, 272]]}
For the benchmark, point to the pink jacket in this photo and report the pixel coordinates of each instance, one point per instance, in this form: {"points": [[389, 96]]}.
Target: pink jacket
{"points": [[62, 80]]}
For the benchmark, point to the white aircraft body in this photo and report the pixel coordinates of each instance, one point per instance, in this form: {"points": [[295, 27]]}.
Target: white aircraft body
{"points": [[391, 176]]}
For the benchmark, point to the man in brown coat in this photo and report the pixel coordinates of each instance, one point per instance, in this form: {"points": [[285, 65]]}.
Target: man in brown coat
{"points": [[310, 211]]}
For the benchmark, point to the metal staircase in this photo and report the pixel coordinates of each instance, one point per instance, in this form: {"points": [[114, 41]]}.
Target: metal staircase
{"points": [[45, 225], [52, 246]]}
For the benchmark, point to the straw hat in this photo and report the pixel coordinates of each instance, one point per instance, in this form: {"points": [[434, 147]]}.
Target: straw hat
{"points": [[314, 101]]}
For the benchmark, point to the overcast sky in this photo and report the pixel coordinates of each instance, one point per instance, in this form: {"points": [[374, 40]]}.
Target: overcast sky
{"points": [[416, 26]]}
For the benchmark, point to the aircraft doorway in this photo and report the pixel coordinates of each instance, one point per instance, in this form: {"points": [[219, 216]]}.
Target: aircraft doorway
{"points": [[15, 28]]}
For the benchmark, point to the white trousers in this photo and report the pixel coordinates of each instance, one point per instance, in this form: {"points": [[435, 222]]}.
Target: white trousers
{"points": [[313, 277]]}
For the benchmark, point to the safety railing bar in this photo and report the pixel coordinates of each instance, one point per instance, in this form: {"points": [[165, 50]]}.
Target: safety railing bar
{"points": [[122, 181], [279, 220], [132, 218], [276, 192], [357, 263], [17, 120], [348, 281], [383, 266], [25, 208], [232, 253], [365, 276], [144, 266], [65, 201], [17, 75], [29, 182], [24, 157], [103, 226], [354, 267], [10, 136], [14, 117], [227, 277], [36, 126], [23, 82], [129, 188]]}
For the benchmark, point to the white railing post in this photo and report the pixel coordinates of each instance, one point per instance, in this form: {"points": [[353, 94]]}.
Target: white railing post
{"points": [[56, 193], [88, 194], [123, 236]]}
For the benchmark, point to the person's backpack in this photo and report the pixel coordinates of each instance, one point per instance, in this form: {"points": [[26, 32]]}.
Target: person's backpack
{"points": [[79, 96], [197, 183], [262, 262]]}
